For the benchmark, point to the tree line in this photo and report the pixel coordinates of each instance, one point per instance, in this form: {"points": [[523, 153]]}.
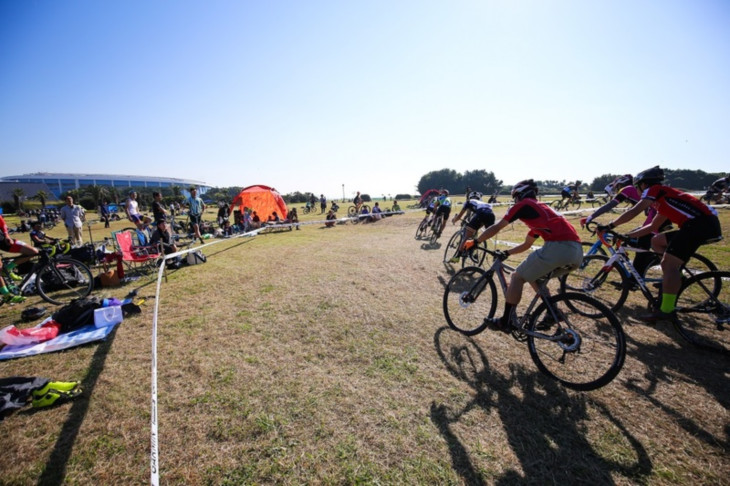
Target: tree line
{"points": [[487, 183]]}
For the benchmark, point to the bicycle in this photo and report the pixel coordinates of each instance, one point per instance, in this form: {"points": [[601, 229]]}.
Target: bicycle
{"points": [[436, 228], [423, 227], [572, 338], [474, 255], [596, 277], [57, 279], [354, 211], [565, 204]]}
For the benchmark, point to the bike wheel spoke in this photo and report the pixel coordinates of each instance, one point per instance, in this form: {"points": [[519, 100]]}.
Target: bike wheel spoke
{"points": [[592, 347], [468, 300], [703, 311]]}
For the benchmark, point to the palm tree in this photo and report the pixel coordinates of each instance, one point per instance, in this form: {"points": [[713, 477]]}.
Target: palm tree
{"points": [[98, 193], [18, 194], [42, 196]]}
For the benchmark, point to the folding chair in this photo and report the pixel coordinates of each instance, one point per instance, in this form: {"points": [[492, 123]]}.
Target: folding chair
{"points": [[139, 259]]}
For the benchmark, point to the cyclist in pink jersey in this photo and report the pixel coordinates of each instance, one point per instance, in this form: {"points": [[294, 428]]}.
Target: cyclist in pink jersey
{"points": [[562, 245], [625, 191], [697, 224]]}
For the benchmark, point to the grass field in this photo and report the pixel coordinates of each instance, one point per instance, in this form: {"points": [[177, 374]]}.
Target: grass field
{"points": [[322, 356]]}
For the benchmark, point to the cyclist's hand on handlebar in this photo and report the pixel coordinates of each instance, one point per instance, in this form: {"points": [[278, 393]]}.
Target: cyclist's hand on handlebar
{"points": [[501, 254], [585, 221]]}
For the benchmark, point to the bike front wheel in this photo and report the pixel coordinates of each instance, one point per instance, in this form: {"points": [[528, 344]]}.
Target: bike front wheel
{"points": [[584, 345], [703, 311], [452, 248], [64, 279], [470, 297]]}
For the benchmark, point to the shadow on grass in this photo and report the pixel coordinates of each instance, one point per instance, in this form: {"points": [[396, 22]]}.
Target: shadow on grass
{"points": [[667, 363], [544, 423], [55, 470]]}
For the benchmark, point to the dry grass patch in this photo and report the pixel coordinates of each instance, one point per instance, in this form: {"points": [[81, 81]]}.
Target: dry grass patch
{"points": [[320, 356]]}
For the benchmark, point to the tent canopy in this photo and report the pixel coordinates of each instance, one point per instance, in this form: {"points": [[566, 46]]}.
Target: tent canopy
{"points": [[262, 199], [427, 197]]}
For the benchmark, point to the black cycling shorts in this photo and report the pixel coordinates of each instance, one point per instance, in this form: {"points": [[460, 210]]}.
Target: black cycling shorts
{"points": [[481, 219], [445, 210], [685, 241]]}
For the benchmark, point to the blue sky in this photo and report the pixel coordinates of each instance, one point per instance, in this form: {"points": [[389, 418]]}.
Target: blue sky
{"points": [[311, 95]]}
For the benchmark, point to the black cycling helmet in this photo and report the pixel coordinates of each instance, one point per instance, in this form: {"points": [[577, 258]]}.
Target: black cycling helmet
{"points": [[652, 176], [523, 189], [474, 195]]}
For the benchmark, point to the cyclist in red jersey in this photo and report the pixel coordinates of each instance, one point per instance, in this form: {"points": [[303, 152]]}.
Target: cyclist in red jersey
{"points": [[625, 191], [697, 224], [10, 245], [562, 245]]}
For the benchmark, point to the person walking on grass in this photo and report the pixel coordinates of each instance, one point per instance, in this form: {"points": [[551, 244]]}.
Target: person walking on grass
{"points": [[196, 208], [73, 217]]}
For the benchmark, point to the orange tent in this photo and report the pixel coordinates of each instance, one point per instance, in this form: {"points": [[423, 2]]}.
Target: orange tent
{"points": [[262, 199]]}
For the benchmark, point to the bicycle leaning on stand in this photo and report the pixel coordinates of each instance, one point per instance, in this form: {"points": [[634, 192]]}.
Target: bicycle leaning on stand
{"points": [[572, 337]]}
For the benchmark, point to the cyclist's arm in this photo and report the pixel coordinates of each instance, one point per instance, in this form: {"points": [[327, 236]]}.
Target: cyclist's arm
{"points": [[524, 246], [632, 212], [602, 210], [647, 229], [458, 216]]}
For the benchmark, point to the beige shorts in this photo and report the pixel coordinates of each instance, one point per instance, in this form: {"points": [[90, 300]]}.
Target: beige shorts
{"points": [[553, 254]]}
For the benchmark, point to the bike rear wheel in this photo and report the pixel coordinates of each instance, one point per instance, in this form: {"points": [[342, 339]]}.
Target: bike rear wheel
{"points": [[592, 349], [470, 297], [64, 279], [436, 229], [703, 311], [610, 288]]}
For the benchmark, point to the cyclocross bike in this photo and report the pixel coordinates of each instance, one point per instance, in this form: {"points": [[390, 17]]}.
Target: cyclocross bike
{"points": [[57, 279], [473, 256], [702, 309], [572, 337]]}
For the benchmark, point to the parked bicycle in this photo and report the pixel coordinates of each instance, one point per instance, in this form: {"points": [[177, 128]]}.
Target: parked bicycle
{"points": [[572, 337], [57, 279], [702, 302]]}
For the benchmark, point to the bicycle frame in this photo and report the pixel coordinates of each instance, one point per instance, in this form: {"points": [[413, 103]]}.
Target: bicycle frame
{"points": [[499, 268], [623, 264]]}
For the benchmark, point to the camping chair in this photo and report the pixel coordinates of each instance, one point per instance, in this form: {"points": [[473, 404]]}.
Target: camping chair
{"points": [[138, 259]]}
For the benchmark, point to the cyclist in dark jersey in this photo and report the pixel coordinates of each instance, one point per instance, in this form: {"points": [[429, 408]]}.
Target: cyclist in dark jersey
{"points": [[562, 245], [481, 216], [697, 224]]}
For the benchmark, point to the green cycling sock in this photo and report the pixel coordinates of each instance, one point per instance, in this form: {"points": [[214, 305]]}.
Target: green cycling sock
{"points": [[10, 265], [4, 291], [669, 302]]}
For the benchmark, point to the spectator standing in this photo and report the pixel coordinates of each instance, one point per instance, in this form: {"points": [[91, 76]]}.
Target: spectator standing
{"points": [[73, 217], [104, 212], [322, 203], [196, 208], [159, 212]]}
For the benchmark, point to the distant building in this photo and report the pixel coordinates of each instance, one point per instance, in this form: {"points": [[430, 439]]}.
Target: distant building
{"points": [[60, 184], [30, 189]]}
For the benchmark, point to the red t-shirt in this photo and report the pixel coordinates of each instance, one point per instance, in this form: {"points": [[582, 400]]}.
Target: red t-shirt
{"points": [[679, 207], [542, 221]]}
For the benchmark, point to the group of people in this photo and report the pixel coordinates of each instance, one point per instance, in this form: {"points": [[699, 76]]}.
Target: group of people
{"points": [[664, 206]]}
